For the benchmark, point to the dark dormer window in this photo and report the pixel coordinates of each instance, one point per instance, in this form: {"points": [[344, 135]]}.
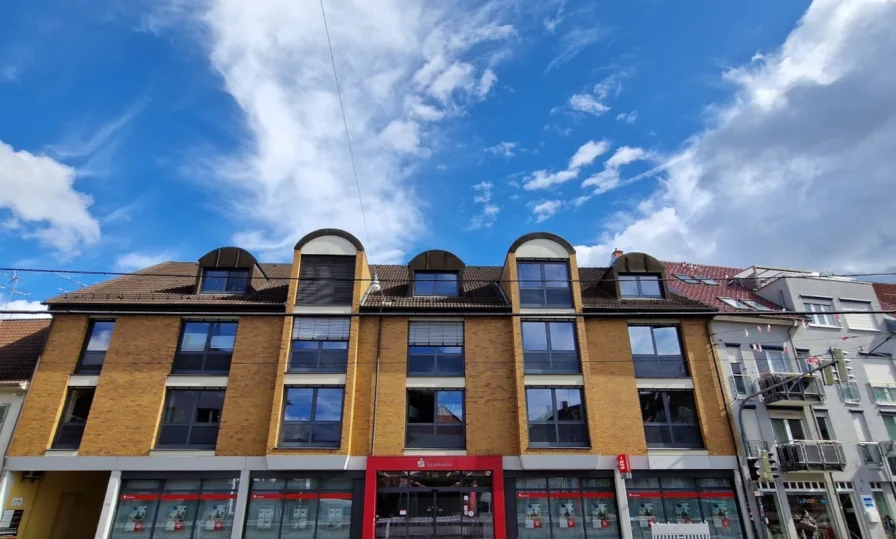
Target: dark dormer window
{"points": [[224, 281], [640, 286], [435, 284]]}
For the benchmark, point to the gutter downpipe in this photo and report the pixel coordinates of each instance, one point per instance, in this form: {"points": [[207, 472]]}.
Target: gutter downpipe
{"points": [[376, 379], [740, 468]]}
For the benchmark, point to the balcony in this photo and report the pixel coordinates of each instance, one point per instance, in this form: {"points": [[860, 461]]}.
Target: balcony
{"points": [[811, 456], [871, 454], [799, 390]]}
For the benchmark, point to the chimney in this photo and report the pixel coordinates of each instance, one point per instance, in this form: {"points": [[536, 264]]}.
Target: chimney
{"points": [[615, 254]]}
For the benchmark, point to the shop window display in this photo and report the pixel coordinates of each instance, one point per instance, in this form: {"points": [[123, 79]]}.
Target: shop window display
{"points": [[299, 508], [683, 500], [818, 508], [170, 508], [566, 508]]}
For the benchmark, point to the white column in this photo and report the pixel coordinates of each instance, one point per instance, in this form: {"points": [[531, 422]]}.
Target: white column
{"points": [[110, 502], [242, 503], [625, 522], [746, 507]]}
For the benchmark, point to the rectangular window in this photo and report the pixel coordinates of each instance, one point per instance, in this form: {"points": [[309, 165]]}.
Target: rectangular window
{"points": [[544, 284], [74, 418], [825, 429], [884, 393], [205, 347], [312, 417], [822, 313], [224, 281], [890, 423], [756, 305], [656, 352], [191, 419], [552, 508], [771, 361], [436, 349], [788, 429], [319, 345], [861, 426], [859, 317], [550, 348], [640, 286], [326, 280], [99, 333], [706, 280], [290, 507], [435, 284], [687, 279], [850, 392], [556, 417], [435, 419], [670, 418], [740, 381], [731, 302]]}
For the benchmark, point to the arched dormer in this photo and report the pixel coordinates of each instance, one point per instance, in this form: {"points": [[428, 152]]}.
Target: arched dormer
{"points": [[543, 272], [327, 268], [228, 270], [436, 273], [635, 276]]}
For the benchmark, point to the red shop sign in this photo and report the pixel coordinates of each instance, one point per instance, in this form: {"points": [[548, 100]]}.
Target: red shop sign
{"points": [[624, 463]]}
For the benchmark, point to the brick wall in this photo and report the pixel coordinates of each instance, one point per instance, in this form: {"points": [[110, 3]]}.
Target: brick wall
{"points": [[392, 396], [491, 395]]}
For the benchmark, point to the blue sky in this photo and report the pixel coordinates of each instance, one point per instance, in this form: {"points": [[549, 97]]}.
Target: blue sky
{"points": [[730, 133]]}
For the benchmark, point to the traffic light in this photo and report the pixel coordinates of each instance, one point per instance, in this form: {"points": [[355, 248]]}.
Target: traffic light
{"points": [[770, 466], [844, 371], [765, 466], [829, 376], [753, 467]]}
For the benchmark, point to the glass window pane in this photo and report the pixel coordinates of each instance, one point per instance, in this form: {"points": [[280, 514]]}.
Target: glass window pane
{"points": [[538, 362], [209, 407], [79, 406], [566, 516], [100, 335], [421, 407], [134, 517], [529, 275], [563, 336], [450, 407], [223, 336], [532, 296], [574, 434], [195, 335], [173, 434], [299, 519], [298, 404], [667, 343], [558, 297], [180, 407], [449, 436], [205, 436], [424, 287], [214, 281], [421, 364], [532, 516], [329, 405], [641, 339], [326, 433], [653, 408], [628, 286], [542, 433], [334, 345], [535, 336], [296, 433], [569, 405], [681, 406], [556, 275], [540, 404], [650, 285]]}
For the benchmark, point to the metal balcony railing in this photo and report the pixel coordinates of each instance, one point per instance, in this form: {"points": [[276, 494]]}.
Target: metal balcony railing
{"points": [[741, 384], [871, 454], [755, 447], [811, 456], [799, 388]]}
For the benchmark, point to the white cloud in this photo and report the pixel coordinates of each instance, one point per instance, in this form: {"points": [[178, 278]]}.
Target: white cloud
{"points": [[584, 156], [797, 168], [503, 149], [629, 118], [588, 104], [625, 155], [41, 195], [546, 209], [137, 261], [609, 178], [487, 217], [588, 152], [402, 65], [573, 42], [23, 305]]}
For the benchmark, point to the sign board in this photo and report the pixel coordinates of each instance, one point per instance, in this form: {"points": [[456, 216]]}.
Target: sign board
{"points": [[17, 502], [624, 463], [871, 512]]}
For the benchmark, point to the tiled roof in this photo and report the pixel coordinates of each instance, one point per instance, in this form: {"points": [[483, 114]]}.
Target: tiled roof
{"points": [[173, 283], [709, 293], [886, 296], [479, 290], [21, 342], [596, 298]]}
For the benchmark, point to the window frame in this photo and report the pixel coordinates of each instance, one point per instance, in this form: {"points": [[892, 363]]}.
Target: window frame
{"points": [[312, 421], [812, 304], [667, 411], [770, 362], [736, 359], [787, 426], [205, 353], [435, 425], [227, 278], [436, 282], [706, 280], [556, 422], [687, 279], [853, 389], [63, 424], [644, 358], [735, 303], [544, 288], [755, 305], [823, 418], [637, 278], [342, 369], [549, 350], [93, 369], [193, 422], [866, 308], [890, 390]]}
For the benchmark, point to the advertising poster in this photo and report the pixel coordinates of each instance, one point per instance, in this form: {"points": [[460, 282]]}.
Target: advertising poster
{"points": [[533, 515], [566, 517], [720, 515], [265, 517], [334, 518], [646, 514], [136, 519], [300, 517], [600, 515], [214, 520], [176, 516], [683, 512]]}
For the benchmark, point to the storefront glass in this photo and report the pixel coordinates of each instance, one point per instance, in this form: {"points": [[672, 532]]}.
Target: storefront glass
{"points": [[683, 500], [173, 508], [886, 517], [299, 508], [817, 506], [566, 508], [774, 526]]}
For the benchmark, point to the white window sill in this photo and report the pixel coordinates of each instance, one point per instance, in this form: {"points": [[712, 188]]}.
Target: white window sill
{"points": [[436, 382], [188, 380], [83, 380], [665, 383], [862, 330], [61, 453], [435, 452], [576, 380], [824, 326], [308, 379], [885, 403], [181, 453]]}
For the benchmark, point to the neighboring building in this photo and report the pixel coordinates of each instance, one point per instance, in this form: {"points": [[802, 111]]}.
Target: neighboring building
{"points": [[825, 438], [886, 296], [427, 399]]}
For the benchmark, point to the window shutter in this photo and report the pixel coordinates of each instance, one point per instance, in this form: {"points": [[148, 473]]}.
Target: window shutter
{"points": [[321, 329], [326, 280], [860, 319], [878, 370], [436, 334]]}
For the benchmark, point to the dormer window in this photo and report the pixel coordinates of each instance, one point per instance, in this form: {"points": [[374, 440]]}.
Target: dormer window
{"points": [[224, 281], [435, 284], [640, 286]]}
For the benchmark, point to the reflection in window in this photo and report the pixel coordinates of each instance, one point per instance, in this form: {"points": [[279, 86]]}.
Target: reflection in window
{"points": [[191, 419], [640, 286], [436, 349], [656, 352], [218, 281], [556, 417], [312, 416], [544, 284], [565, 508], [435, 419], [74, 419], [205, 347], [99, 334], [435, 284], [550, 348], [302, 508], [683, 500], [670, 419], [320, 345]]}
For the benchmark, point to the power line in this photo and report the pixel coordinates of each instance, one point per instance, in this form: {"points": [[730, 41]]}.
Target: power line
{"points": [[348, 139]]}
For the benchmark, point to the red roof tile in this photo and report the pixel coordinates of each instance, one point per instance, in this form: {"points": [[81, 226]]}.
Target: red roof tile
{"points": [[21, 342], [886, 296], [726, 287]]}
